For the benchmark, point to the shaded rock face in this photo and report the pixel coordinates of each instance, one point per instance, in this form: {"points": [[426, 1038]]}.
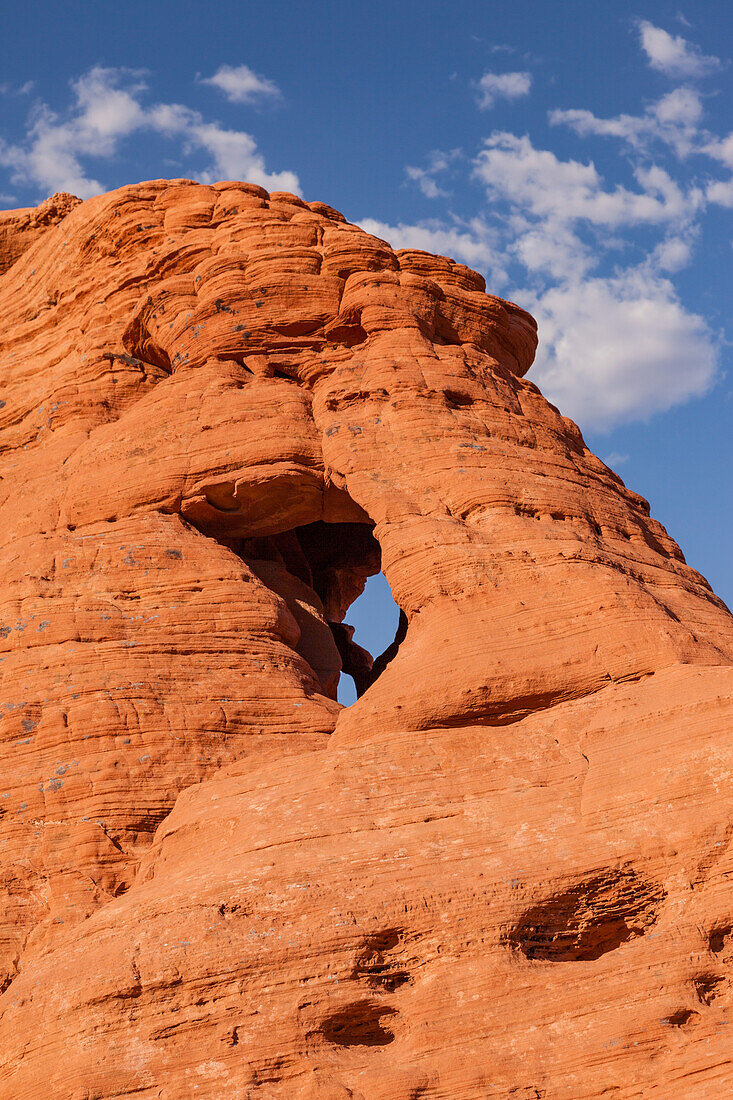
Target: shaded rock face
{"points": [[507, 870]]}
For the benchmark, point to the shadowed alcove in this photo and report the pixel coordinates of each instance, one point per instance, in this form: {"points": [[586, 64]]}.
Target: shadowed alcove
{"points": [[328, 572], [330, 576]]}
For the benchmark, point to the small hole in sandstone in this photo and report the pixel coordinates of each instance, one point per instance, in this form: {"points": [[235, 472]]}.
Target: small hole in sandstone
{"points": [[359, 1024], [681, 1018], [718, 937], [707, 987], [586, 920], [377, 964], [386, 940], [456, 400], [284, 374]]}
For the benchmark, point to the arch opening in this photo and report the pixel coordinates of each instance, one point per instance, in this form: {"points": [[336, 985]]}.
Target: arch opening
{"points": [[377, 625], [323, 570]]}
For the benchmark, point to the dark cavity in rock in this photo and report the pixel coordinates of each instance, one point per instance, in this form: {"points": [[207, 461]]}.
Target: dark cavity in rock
{"points": [[358, 1024], [588, 919]]}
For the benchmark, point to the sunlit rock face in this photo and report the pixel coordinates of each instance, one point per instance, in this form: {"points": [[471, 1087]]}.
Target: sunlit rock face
{"points": [[507, 869]]}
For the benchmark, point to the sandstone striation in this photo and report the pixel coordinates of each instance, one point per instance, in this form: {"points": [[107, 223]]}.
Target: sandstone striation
{"points": [[507, 869]]}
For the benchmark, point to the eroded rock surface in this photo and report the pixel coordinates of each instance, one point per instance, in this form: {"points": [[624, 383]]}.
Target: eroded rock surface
{"points": [[507, 869]]}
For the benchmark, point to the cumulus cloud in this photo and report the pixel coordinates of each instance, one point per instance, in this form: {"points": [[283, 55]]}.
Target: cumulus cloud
{"points": [[537, 181], [673, 55], [109, 108], [493, 86], [614, 349], [426, 182], [548, 247], [241, 85], [721, 149], [720, 192], [234, 156], [10, 89], [674, 120], [615, 346], [438, 162], [674, 252]]}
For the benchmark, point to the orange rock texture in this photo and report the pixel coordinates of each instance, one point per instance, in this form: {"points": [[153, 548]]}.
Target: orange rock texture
{"points": [[507, 870]]}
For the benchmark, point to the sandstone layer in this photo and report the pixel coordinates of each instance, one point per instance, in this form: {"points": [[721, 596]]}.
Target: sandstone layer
{"points": [[507, 870]]}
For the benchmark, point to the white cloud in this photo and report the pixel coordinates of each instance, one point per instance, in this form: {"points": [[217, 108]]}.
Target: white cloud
{"points": [[674, 252], [612, 349], [493, 86], [425, 177], [50, 157], [10, 89], [673, 55], [616, 459], [541, 184], [549, 202], [618, 349], [674, 119], [234, 156], [720, 149], [720, 192], [548, 246], [425, 182], [108, 109], [241, 85]]}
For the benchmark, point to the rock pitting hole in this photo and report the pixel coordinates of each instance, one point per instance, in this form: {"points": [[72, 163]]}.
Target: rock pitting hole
{"points": [[719, 937], [359, 1024], [682, 1018], [707, 987], [375, 965], [588, 919]]}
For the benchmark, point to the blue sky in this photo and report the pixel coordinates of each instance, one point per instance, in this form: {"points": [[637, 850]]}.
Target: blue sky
{"points": [[578, 154]]}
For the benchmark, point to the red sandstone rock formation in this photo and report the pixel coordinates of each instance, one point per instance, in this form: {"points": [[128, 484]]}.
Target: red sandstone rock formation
{"points": [[506, 870]]}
